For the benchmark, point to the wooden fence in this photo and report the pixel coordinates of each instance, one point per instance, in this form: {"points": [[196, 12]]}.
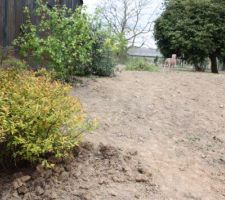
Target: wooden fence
{"points": [[12, 17]]}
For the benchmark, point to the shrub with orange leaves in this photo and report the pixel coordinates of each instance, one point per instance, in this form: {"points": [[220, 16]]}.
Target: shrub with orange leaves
{"points": [[38, 117]]}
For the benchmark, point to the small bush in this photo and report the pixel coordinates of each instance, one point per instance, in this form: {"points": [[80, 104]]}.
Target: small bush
{"points": [[37, 117], [140, 64], [105, 66], [102, 56]]}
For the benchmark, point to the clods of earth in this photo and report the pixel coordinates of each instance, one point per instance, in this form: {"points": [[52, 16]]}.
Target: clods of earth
{"points": [[101, 172]]}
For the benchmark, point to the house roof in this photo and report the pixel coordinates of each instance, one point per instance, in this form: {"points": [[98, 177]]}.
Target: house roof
{"points": [[144, 52]]}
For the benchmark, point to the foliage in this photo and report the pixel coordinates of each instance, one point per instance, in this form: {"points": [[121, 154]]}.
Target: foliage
{"points": [[61, 41], [103, 61], [6, 53], [37, 117], [192, 29], [15, 63], [118, 44], [8, 60], [70, 43], [102, 53], [50, 75], [140, 64]]}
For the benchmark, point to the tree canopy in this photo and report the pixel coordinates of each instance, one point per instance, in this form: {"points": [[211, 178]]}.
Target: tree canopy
{"points": [[192, 29]]}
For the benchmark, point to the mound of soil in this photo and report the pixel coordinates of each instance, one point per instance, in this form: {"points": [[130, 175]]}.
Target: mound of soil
{"points": [[102, 172]]}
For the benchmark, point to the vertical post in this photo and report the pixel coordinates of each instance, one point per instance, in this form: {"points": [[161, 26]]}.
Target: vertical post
{"points": [[5, 23]]}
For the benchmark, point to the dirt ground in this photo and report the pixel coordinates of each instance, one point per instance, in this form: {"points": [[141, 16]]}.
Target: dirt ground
{"points": [[174, 120], [161, 136]]}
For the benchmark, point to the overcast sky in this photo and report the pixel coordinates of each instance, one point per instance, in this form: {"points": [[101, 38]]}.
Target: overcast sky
{"points": [[155, 5]]}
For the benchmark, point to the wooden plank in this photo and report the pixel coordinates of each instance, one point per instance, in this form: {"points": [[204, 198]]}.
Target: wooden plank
{"points": [[1, 22], [11, 22], [5, 23], [18, 16]]}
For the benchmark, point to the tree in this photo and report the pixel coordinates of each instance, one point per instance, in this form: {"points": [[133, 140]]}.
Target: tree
{"points": [[192, 28], [128, 18]]}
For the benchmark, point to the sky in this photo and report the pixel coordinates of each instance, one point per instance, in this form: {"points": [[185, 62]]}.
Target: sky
{"points": [[156, 5]]}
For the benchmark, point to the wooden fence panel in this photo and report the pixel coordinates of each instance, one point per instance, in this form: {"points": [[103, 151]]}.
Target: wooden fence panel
{"points": [[12, 17], [1, 23]]}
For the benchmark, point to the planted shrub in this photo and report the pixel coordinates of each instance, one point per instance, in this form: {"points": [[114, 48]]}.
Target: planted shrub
{"points": [[102, 56], [37, 117], [69, 43], [61, 41]]}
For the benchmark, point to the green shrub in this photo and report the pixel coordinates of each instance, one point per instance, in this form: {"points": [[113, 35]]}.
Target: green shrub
{"points": [[61, 41], [102, 56], [37, 117], [103, 65], [140, 64]]}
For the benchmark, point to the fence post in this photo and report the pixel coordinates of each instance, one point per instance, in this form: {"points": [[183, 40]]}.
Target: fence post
{"points": [[5, 23]]}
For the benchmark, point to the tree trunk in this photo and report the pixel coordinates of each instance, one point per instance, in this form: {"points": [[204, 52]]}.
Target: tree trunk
{"points": [[223, 67], [214, 68]]}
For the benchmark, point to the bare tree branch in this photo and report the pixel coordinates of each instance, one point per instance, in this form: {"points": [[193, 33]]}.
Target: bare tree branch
{"points": [[133, 18]]}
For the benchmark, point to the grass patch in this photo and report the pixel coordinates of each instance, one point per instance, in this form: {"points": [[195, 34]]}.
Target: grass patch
{"points": [[140, 64]]}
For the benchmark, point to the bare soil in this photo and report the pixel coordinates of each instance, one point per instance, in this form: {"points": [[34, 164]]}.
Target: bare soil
{"points": [[102, 172], [174, 120], [161, 136]]}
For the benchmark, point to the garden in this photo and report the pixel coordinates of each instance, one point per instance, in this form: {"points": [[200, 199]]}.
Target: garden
{"points": [[82, 120]]}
